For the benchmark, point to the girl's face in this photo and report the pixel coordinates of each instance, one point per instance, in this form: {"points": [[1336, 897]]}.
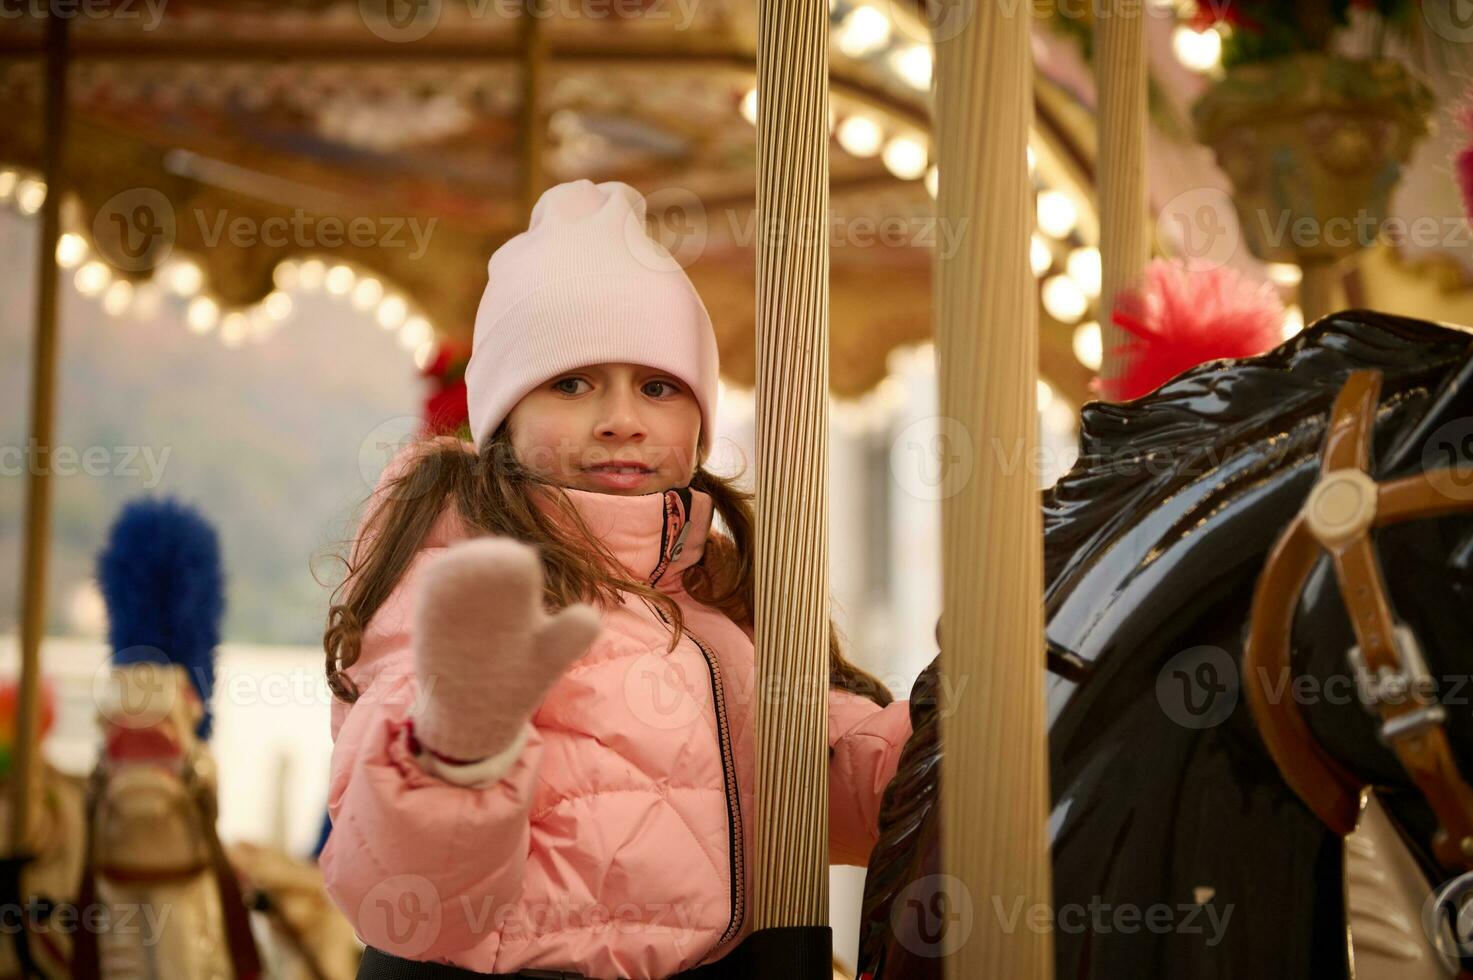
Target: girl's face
{"points": [[611, 428]]}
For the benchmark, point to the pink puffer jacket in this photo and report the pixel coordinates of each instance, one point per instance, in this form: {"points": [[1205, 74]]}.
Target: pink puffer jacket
{"points": [[619, 843]]}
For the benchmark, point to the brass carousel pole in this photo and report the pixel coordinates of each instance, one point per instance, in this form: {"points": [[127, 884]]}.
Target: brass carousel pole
{"points": [[1120, 85], [26, 774], [790, 861], [995, 792]]}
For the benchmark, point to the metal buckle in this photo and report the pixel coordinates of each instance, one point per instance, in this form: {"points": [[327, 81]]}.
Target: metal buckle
{"points": [[1389, 687]]}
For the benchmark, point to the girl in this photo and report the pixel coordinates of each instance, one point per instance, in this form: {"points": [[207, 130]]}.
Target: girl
{"points": [[515, 789]]}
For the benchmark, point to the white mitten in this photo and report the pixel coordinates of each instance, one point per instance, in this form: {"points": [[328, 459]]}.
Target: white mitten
{"points": [[486, 651]]}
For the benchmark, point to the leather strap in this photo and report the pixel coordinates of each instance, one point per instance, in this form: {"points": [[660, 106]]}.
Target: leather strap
{"points": [[1325, 786], [244, 957], [1339, 514], [85, 962]]}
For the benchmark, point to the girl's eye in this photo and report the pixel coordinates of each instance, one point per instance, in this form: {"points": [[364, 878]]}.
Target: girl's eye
{"points": [[669, 388], [655, 389]]}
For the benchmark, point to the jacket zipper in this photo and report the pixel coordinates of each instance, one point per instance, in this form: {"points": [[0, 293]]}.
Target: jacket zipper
{"points": [[723, 738], [733, 803]]}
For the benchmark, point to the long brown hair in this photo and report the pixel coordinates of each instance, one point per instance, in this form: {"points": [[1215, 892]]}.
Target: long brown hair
{"points": [[493, 494]]}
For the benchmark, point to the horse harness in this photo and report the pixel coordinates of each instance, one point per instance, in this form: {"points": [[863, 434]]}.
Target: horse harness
{"points": [[1391, 675]]}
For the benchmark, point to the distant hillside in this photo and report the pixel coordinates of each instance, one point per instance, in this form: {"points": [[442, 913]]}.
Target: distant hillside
{"points": [[265, 438]]}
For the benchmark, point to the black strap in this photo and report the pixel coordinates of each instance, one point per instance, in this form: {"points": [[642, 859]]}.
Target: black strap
{"points": [[793, 952], [12, 893], [85, 959], [378, 965]]}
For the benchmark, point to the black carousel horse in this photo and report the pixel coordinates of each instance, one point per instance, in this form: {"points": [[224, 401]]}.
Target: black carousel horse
{"points": [[1168, 791]]}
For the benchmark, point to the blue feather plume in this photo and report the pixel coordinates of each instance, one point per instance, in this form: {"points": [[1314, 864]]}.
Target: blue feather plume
{"points": [[161, 578]]}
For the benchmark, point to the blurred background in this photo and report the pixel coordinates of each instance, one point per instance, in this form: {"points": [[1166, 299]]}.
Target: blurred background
{"points": [[276, 220]]}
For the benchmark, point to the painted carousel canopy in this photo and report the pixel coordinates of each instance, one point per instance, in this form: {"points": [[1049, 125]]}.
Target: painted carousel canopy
{"points": [[272, 145]]}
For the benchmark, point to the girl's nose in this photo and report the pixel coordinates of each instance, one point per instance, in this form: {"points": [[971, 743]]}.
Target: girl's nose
{"points": [[619, 418]]}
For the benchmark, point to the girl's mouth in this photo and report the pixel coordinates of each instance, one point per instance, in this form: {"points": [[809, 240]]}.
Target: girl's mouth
{"points": [[619, 476]]}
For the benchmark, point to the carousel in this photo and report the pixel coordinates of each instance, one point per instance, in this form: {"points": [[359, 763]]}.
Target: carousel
{"points": [[1220, 248]]}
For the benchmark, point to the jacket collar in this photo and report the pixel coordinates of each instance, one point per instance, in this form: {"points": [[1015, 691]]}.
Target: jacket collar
{"points": [[655, 536]]}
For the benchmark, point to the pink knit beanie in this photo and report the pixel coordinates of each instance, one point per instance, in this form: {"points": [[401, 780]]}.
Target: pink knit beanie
{"points": [[583, 285]]}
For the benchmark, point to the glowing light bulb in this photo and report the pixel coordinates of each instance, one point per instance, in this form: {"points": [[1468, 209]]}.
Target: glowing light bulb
{"points": [[905, 157], [367, 293], [1201, 51], [391, 312], [1083, 266], [202, 314], [92, 278], [1063, 299], [1057, 214], [860, 136], [1040, 256], [311, 275], [1293, 321], [748, 107], [914, 63], [287, 274], [183, 277], [117, 296], [71, 250], [416, 331], [30, 195], [1285, 273], [234, 328], [278, 305], [339, 280], [865, 30], [1089, 345]]}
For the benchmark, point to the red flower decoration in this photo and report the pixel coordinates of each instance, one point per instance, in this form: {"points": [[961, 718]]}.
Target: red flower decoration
{"points": [[1210, 12], [1180, 318], [445, 409], [1463, 159]]}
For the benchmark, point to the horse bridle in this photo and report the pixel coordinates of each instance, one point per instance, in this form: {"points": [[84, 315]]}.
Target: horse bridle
{"points": [[1391, 676]]}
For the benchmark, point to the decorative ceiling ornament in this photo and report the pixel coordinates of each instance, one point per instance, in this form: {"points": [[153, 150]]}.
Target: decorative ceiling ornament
{"points": [[254, 116]]}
